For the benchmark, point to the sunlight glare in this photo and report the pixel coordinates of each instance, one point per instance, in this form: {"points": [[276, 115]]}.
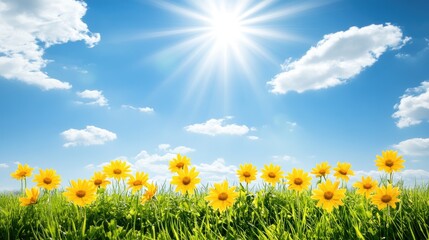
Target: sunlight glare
{"points": [[226, 28]]}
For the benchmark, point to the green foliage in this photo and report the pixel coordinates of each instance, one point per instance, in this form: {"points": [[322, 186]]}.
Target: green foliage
{"points": [[265, 214]]}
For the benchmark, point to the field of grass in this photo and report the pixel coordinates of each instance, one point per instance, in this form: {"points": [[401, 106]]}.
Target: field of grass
{"points": [[267, 213]]}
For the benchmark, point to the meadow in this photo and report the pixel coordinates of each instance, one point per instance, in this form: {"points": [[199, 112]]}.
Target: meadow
{"points": [[288, 208]]}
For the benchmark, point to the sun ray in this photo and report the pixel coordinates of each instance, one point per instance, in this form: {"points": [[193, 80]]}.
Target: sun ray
{"points": [[222, 42]]}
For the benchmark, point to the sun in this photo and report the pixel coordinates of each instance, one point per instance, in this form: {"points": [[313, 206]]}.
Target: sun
{"points": [[226, 28]]}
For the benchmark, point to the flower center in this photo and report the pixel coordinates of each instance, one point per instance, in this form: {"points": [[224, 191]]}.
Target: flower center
{"points": [[186, 180], [223, 196], [33, 200], [80, 194], [297, 181], [367, 186], [271, 175], [117, 171], [386, 198], [328, 195], [246, 174], [22, 174], [180, 165], [98, 182], [389, 163], [322, 172], [137, 183], [47, 180], [343, 172]]}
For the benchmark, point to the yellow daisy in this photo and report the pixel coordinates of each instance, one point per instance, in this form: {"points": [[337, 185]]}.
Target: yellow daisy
{"points": [[366, 187], [179, 163], [221, 197], [386, 196], [247, 173], [99, 180], [138, 181], [272, 174], [343, 171], [329, 196], [186, 180], [22, 172], [389, 161], [149, 193], [298, 180], [81, 193], [47, 179], [31, 198], [321, 170], [117, 169]]}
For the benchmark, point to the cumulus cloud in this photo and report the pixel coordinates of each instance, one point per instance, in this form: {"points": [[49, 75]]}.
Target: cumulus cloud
{"points": [[337, 58], [3, 165], [94, 97], [91, 135], [413, 107], [285, 158], [140, 109], [215, 127], [27, 28], [217, 171], [410, 177], [414, 147], [157, 164]]}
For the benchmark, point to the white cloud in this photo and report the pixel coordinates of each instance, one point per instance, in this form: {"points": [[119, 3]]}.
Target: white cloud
{"points": [[291, 125], [157, 164], [414, 147], [90, 166], [3, 165], [285, 158], [95, 97], [413, 107], [253, 138], [215, 127], [409, 176], [140, 109], [30, 27], [164, 146], [217, 171], [89, 136], [337, 58]]}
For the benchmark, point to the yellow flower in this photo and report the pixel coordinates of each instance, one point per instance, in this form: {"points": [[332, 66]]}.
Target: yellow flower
{"points": [[179, 163], [298, 180], [272, 174], [389, 161], [247, 173], [31, 198], [366, 187], [47, 179], [328, 195], [117, 169], [22, 172], [321, 170], [186, 180], [99, 180], [138, 181], [221, 197], [81, 193], [343, 171], [386, 196], [149, 193]]}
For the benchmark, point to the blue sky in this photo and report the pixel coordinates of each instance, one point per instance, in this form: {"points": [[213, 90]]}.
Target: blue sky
{"points": [[223, 82]]}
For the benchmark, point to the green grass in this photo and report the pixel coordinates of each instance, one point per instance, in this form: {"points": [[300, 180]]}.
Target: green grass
{"points": [[265, 214]]}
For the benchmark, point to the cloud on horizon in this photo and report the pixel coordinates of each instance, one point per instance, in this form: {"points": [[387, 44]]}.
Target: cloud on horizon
{"points": [[337, 58], [414, 147]]}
